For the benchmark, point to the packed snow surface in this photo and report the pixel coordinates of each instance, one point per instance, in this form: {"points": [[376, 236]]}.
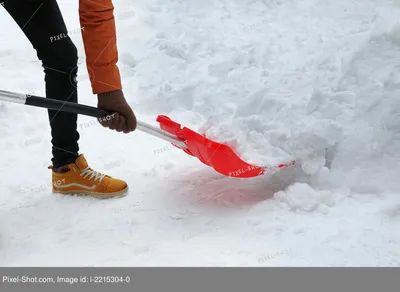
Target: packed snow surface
{"points": [[316, 81]]}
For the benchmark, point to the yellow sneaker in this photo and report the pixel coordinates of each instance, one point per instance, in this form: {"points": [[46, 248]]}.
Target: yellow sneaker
{"points": [[79, 179]]}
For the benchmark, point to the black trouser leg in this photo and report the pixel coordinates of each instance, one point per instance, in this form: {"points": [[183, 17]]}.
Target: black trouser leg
{"points": [[43, 25]]}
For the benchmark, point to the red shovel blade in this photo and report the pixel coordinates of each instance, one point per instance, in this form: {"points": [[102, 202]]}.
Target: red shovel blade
{"points": [[219, 156]]}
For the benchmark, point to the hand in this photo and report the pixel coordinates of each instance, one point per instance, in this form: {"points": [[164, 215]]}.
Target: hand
{"points": [[122, 118]]}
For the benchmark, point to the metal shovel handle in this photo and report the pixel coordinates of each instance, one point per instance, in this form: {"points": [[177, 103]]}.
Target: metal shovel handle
{"points": [[86, 110]]}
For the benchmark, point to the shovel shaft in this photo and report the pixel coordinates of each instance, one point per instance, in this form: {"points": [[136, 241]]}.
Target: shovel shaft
{"points": [[71, 107]]}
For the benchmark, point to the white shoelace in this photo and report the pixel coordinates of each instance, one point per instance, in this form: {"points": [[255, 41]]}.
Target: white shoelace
{"points": [[93, 174]]}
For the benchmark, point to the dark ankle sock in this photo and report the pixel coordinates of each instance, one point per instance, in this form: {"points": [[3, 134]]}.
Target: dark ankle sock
{"points": [[61, 169]]}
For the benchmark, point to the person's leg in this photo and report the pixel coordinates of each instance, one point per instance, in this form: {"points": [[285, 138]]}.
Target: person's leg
{"points": [[43, 24]]}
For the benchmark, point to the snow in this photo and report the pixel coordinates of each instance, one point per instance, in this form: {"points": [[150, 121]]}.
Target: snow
{"points": [[315, 81]]}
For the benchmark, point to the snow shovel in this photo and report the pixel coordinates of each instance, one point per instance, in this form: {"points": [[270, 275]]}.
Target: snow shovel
{"points": [[216, 155]]}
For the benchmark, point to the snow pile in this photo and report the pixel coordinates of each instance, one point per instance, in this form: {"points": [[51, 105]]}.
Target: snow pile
{"points": [[302, 197], [284, 87]]}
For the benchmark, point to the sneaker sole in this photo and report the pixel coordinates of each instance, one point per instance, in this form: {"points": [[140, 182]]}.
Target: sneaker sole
{"points": [[96, 195]]}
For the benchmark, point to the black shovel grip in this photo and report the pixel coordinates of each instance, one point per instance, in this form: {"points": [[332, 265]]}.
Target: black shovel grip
{"points": [[65, 106]]}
